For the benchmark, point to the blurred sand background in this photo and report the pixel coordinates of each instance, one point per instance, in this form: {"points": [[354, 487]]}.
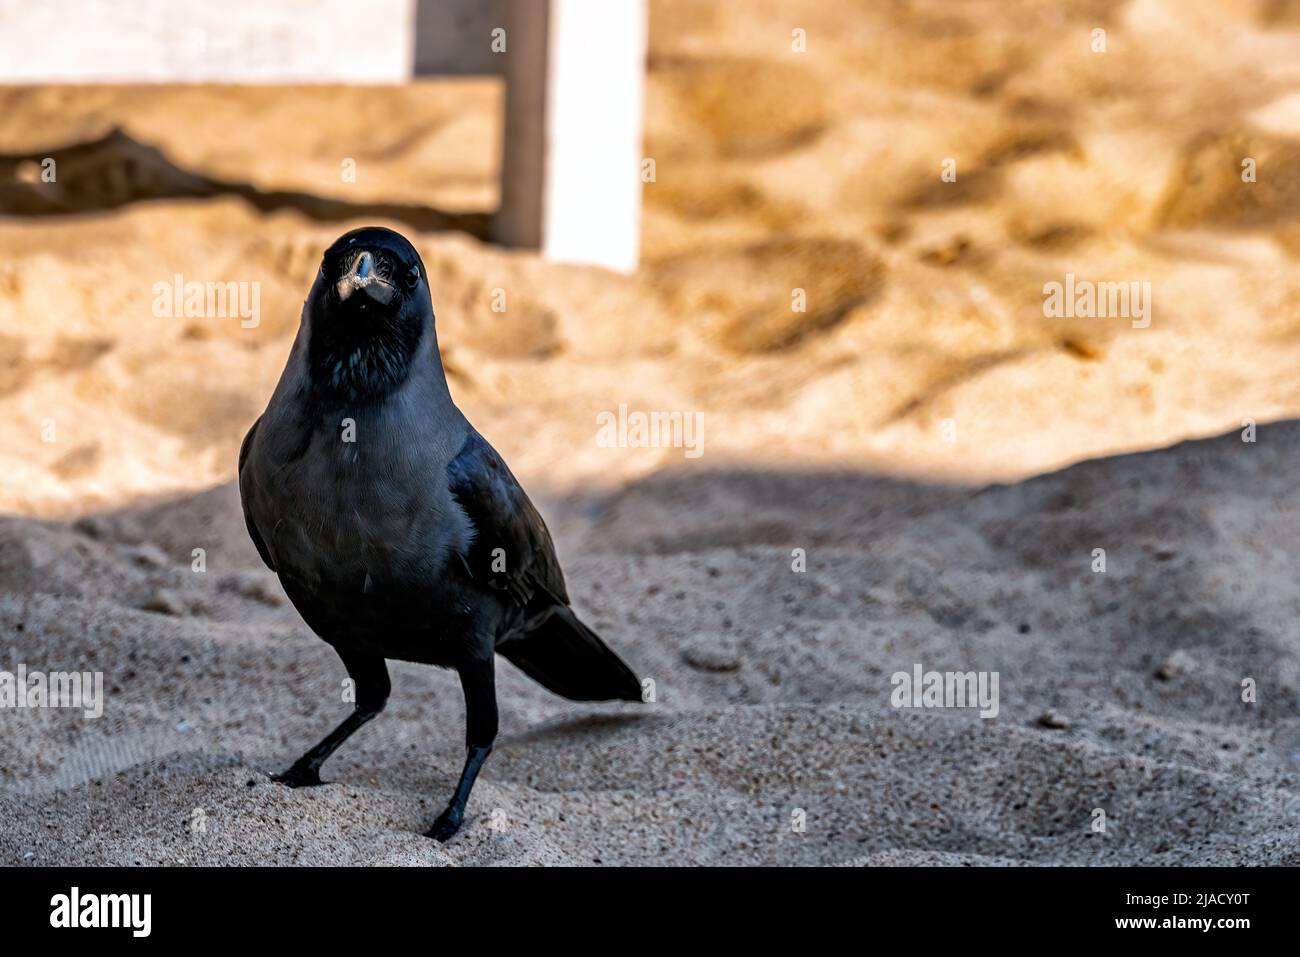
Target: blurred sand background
{"points": [[824, 430]]}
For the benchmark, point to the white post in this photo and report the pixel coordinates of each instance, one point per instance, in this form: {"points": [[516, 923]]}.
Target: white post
{"points": [[571, 170]]}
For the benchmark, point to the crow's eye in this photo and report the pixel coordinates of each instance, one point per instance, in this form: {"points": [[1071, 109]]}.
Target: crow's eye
{"points": [[413, 277]]}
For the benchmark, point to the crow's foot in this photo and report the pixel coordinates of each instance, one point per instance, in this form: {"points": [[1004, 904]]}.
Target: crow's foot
{"points": [[298, 777], [448, 824]]}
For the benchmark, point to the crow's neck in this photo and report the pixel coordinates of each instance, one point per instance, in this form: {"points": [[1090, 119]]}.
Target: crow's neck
{"points": [[368, 366]]}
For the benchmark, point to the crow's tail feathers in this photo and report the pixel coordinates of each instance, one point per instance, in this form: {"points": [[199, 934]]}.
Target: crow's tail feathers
{"points": [[567, 657]]}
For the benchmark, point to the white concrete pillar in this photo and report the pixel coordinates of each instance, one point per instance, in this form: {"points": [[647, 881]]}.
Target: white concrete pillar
{"points": [[571, 173]]}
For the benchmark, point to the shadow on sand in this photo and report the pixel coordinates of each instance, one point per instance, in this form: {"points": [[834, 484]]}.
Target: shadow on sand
{"points": [[116, 170]]}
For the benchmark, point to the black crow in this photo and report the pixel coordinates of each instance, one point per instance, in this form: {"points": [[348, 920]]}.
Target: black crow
{"points": [[396, 529]]}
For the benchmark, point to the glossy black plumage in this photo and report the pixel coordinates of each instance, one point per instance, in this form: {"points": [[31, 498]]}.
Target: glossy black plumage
{"points": [[397, 531], [505, 524]]}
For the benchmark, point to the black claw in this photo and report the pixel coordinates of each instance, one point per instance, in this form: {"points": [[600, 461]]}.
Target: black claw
{"points": [[445, 827], [297, 777]]}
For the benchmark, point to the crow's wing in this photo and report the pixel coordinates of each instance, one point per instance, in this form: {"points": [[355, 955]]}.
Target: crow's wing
{"points": [[511, 550], [248, 519]]}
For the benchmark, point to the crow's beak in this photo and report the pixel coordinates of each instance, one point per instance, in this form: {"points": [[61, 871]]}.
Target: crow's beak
{"points": [[363, 276]]}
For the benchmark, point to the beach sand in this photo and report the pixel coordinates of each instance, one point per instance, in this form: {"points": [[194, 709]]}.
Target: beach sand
{"points": [[944, 458]]}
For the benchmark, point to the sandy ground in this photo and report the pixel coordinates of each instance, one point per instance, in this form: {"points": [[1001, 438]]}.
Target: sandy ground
{"points": [[864, 431]]}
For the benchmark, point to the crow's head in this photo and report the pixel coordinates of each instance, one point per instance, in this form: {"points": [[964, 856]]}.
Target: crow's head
{"points": [[367, 313]]}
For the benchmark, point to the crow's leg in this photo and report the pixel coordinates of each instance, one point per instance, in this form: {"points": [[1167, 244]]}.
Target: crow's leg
{"points": [[478, 681], [369, 675]]}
